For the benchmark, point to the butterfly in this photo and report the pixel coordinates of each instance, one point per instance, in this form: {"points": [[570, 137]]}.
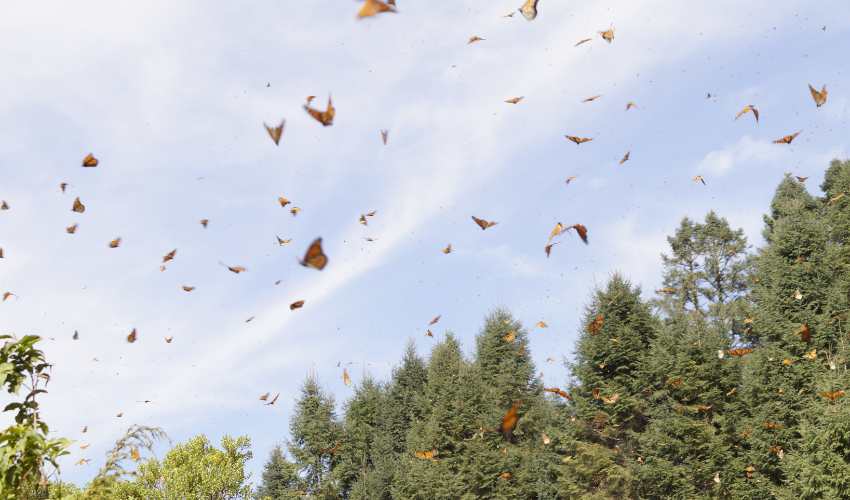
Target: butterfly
{"points": [[135, 455], [833, 395], [346, 378], [187, 288], [608, 35], [76, 335], [434, 320], [772, 426], [315, 257], [581, 230], [168, 339], [425, 455], [205, 222], [281, 241], [120, 414], [265, 397], [6, 295], [132, 337], [90, 161], [787, 362], [509, 420], [483, 224], [583, 40], [630, 105], [77, 207], [294, 211], [84, 446], [169, 256], [787, 139], [805, 333], [235, 269], [542, 324], [592, 98], [374, 7], [514, 100], [548, 249], [505, 476], [699, 178], [625, 157], [384, 136], [115, 243], [571, 179], [741, 351], [559, 392], [509, 337], [819, 97], [800, 179], [71, 229], [666, 290], [578, 140], [82, 461], [811, 355], [529, 9], [448, 249], [596, 325], [557, 230], [749, 108], [474, 39], [63, 186], [298, 304], [609, 400], [326, 118], [274, 400], [275, 132], [429, 333], [1, 252]]}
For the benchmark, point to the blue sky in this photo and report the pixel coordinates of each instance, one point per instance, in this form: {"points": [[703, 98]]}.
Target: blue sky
{"points": [[171, 97]]}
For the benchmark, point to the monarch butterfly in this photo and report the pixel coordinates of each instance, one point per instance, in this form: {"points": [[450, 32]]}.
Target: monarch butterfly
{"points": [[374, 7], [559, 392], [281, 241], [805, 333], [298, 304], [275, 132], [474, 39], [90, 161], [742, 351], [578, 140], [115, 243], [608, 35], [788, 138], [169, 256], [346, 378], [326, 117], [384, 136], [63, 186], [283, 201], [542, 324], [425, 455], [434, 320], [483, 224], [132, 337], [833, 395], [315, 257], [819, 97], [514, 100], [592, 98], [510, 419], [582, 41], [187, 288], [625, 157], [749, 108], [78, 206], [448, 249], [509, 337], [529, 9], [772, 426], [205, 222], [71, 229], [596, 325], [630, 105]]}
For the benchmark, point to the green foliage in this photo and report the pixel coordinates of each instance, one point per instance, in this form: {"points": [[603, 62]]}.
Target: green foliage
{"points": [[193, 470], [113, 471], [25, 449], [280, 478]]}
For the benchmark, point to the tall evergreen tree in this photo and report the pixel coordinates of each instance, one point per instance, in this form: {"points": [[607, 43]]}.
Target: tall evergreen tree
{"points": [[280, 478], [316, 435], [362, 426]]}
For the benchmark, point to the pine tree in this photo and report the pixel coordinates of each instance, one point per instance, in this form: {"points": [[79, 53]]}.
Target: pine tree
{"points": [[357, 456], [280, 478], [316, 435]]}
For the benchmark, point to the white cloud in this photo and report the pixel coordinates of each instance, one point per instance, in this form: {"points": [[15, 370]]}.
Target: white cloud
{"points": [[747, 152]]}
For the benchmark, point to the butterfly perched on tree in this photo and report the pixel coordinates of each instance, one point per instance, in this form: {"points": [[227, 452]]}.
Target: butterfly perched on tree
{"points": [[741, 351], [510, 420], [596, 325], [315, 257]]}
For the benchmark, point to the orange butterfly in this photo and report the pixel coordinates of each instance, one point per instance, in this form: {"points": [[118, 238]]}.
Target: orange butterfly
{"points": [[805, 333], [132, 337], [625, 157], [630, 105], [63, 185], [77, 207], [542, 324], [509, 337], [298, 304], [608, 35], [90, 161], [741, 351], [115, 243], [434, 320], [509, 421], [581, 230], [135, 455], [474, 39], [800, 179], [169, 256], [346, 378], [787, 139], [529, 9], [205, 222], [425, 455], [275, 132], [326, 118], [514, 100], [819, 97], [71, 229], [429, 333], [505, 476], [315, 257], [559, 392], [283, 201], [749, 108], [699, 178], [187, 288], [483, 224], [772, 426], [578, 140], [448, 249], [281, 241], [374, 7], [596, 325], [833, 395], [168, 339], [4, 205]]}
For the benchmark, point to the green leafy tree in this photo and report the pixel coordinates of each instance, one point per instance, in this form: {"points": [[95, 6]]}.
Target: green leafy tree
{"points": [[193, 470], [280, 478], [316, 436], [25, 448]]}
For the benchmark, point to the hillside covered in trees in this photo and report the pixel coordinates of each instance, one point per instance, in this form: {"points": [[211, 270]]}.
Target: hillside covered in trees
{"points": [[730, 383]]}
